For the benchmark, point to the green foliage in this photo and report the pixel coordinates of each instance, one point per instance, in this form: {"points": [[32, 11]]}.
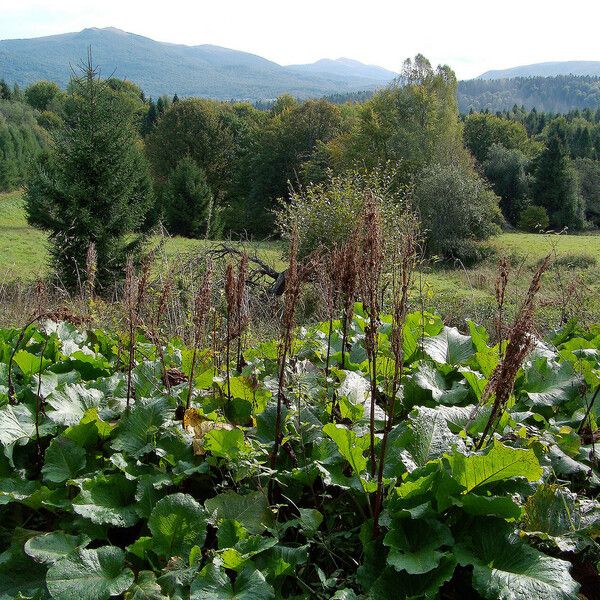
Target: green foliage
{"points": [[41, 94], [507, 171], [187, 200], [92, 186], [533, 218], [456, 209], [90, 575], [589, 186], [483, 130], [325, 215], [102, 501], [555, 184]]}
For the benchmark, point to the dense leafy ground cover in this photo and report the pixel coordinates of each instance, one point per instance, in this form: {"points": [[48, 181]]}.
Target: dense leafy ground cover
{"points": [[151, 501]]}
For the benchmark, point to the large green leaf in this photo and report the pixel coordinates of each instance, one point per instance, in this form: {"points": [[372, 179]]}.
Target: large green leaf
{"points": [[90, 575], [177, 524], [251, 510], [550, 384], [500, 463], [17, 426], [137, 430], [145, 588], [51, 547], [107, 499], [70, 403], [415, 545], [449, 346], [349, 445], [30, 364], [225, 443], [430, 436], [504, 568], [214, 584], [20, 574], [428, 385], [558, 515], [63, 460]]}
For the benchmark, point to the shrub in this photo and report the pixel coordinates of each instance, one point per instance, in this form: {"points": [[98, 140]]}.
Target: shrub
{"points": [[457, 210], [326, 214], [533, 218]]}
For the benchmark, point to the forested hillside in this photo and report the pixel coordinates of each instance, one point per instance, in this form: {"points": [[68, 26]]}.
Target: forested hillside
{"points": [[555, 94]]}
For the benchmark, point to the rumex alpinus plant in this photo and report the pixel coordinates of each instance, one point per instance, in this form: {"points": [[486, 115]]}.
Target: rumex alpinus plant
{"points": [[371, 259], [201, 309], [237, 313], [134, 296], [403, 252], [520, 342], [296, 275]]}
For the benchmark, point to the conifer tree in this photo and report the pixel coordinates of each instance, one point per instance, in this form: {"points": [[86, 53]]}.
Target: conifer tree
{"points": [[93, 185], [555, 185], [188, 200]]}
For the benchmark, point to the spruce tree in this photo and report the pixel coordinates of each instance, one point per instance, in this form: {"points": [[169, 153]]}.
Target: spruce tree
{"points": [[93, 185], [188, 200], [555, 185]]}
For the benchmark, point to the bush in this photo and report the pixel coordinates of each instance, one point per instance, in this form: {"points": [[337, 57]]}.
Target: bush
{"points": [[457, 210], [326, 214], [533, 218]]}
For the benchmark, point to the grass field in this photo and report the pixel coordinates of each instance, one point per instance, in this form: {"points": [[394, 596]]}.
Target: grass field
{"points": [[24, 250], [454, 292]]}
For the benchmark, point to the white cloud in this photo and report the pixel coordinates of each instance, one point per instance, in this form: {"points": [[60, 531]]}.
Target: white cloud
{"points": [[472, 36]]}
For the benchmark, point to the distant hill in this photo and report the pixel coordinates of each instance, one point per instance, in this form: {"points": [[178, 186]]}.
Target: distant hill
{"points": [[162, 68], [552, 94], [547, 69], [346, 67]]}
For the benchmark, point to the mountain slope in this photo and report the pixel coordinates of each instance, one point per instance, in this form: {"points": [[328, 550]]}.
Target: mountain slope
{"points": [[162, 68], [346, 67], [547, 69]]}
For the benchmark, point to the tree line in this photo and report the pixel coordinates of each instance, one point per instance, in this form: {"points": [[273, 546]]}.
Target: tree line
{"points": [[116, 163]]}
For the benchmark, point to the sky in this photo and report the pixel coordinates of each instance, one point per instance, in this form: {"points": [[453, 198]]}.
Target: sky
{"points": [[470, 36]]}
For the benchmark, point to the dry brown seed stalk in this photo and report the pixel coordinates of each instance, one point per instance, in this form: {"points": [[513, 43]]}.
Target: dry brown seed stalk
{"points": [[520, 342], [202, 306]]}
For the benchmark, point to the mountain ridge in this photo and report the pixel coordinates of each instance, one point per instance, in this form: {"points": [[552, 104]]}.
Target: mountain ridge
{"points": [[164, 67], [546, 69]]}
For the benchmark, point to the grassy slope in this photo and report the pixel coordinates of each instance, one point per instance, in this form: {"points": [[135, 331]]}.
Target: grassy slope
{"points": [[24, 252], [455, 293]]}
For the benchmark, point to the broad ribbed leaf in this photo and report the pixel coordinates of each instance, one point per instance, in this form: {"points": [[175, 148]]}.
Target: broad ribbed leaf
{"points": [[414, 545], [430, 436], [449, 346], [550, 384], [136, 431], [145, 588], [558, 515], [70, 403], [251, 510], [429, 385], [90, 575], [349, 445], [107, 499], [51, 547], [500, 463], [63, 460], [214, 584], [177, 523], [505, 568]]}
